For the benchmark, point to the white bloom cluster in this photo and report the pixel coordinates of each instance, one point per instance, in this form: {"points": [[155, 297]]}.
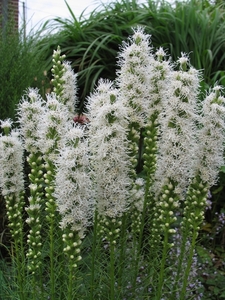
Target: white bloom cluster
{"points": [[72, 182], [11, 162], [158, 80], [53, 127], [142, 77], [109, 159], [134, 61], [138, 194], [6, 125], [177, 120], [209, 151], [56, 55], [30, 112], [69, 85]]}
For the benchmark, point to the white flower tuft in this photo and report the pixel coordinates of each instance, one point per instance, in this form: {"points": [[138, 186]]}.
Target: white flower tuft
{"points": [[210, 148], [69, 86], [177, 130], [110, 161], [6, 124], [138, 194], [53, 127], [72, 182], [134, 61], [11, 162], [30, 112], [158, 80]]}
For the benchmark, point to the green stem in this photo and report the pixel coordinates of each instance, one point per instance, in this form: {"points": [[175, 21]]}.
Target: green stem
{"points": [[179, 267], [15, 204], [162, 266], [140, 231], [34, 287], [189, 264], [70, 287], [193, 217], [20, 269], [52, 271], [122, 250], [93, 258], [112, 269], [53, 221], [136, 253]]}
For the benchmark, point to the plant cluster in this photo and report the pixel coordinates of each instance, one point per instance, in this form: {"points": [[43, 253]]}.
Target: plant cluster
{"points": [[91, 43], [116, 197]]}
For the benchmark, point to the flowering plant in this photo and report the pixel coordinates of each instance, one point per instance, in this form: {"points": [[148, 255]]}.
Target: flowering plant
{"points": [[128, 178]]}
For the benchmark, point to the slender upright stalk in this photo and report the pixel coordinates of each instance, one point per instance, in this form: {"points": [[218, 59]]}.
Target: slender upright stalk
{"points": [[137, 227], [71, 280], [112, 269], [182, 248], [189, 264], [20, 267], [193, 216], [51, 219], [93, 256], [166, 247], [34, 220], [122, 254], [52, 270], [14, 214], [72, 245], [162, 226]]}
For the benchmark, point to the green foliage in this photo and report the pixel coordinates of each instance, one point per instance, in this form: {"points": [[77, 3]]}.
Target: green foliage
{"points": [[196, 28], [212, 263], [20, 66], [91, 44]]}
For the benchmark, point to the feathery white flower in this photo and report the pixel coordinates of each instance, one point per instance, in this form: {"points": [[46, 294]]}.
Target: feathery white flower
{"points": [[138, 194], [11, 163], [134, 61], [30, 112], [53, 127], [210, 147], [6, 124], [69, 85], [72, 182], [110, 161], [178, 127], [158, 80]]}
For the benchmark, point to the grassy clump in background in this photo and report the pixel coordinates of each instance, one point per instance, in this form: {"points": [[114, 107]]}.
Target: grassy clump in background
{"points": [[21, 65], [92, 43]]}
